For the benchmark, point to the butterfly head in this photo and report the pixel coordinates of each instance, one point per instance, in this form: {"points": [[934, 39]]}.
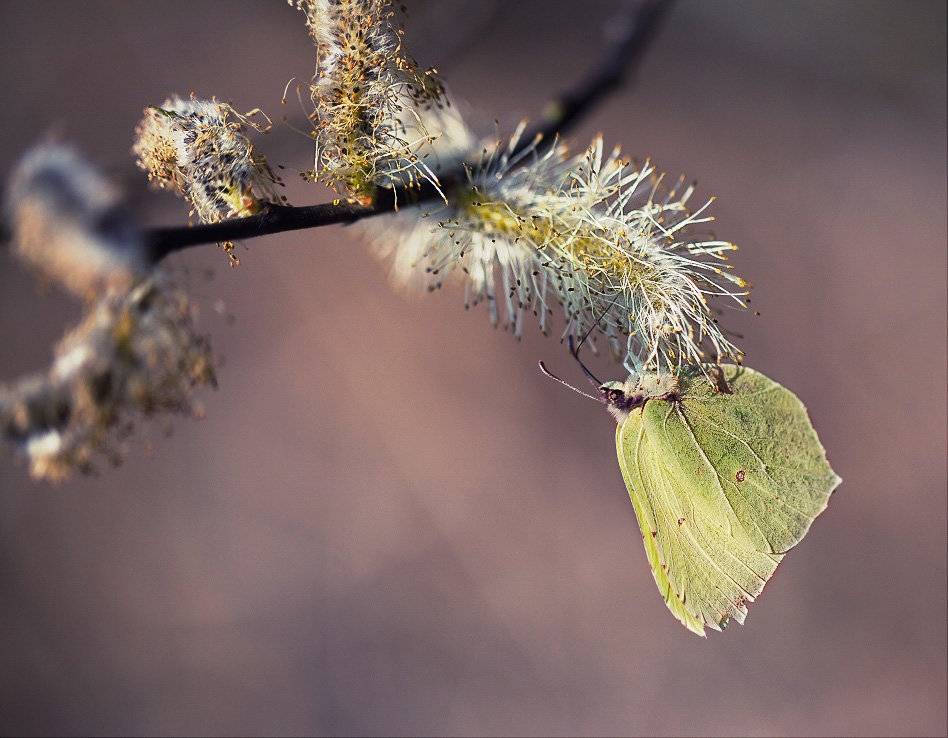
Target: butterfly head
{"points": [[621, 398]]}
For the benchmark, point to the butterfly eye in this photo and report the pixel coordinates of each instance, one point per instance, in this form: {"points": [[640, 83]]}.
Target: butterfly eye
{"points": [[615, 395]]}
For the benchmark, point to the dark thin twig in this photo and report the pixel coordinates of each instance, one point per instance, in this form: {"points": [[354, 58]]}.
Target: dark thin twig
{"points": [[273, 219], [160, 242], [637, 25]]}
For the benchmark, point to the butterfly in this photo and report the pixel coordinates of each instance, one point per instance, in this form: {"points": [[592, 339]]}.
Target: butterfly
{"points": [[725, 477]]}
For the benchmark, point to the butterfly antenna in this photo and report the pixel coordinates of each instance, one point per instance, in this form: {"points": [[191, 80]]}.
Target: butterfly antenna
{"points": [[589, 375], [590, 330], [574, 350], [551, 375]]}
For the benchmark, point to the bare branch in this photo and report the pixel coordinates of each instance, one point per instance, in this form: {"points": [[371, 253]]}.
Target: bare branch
{"points": [[273, 219]]}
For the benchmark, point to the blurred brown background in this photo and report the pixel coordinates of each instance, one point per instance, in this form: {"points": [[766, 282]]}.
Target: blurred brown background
{"points": [[390, 522]]}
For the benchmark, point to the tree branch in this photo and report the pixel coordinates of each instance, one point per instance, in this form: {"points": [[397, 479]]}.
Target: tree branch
{"points": [[637, 25], [160, 242]]}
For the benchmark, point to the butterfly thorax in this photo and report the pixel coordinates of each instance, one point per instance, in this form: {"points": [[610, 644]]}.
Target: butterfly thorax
{"points": [[622, 398]]}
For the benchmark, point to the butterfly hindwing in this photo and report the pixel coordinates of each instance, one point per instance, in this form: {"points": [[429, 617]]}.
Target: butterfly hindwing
{"points": [[751, 454]]}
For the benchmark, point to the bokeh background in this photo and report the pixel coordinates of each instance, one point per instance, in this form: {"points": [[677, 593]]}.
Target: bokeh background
{"points": [[389, 521]]}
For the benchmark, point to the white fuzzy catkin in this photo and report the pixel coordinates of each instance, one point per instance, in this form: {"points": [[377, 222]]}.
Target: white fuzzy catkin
{"points": [[590, 234], [365, 85], [199, 148], [69, 224], [135, 353]]}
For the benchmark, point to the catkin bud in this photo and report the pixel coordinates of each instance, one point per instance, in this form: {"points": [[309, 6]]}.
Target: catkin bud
{"points": [[365, 91], [199, 149], [69, 224]]}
